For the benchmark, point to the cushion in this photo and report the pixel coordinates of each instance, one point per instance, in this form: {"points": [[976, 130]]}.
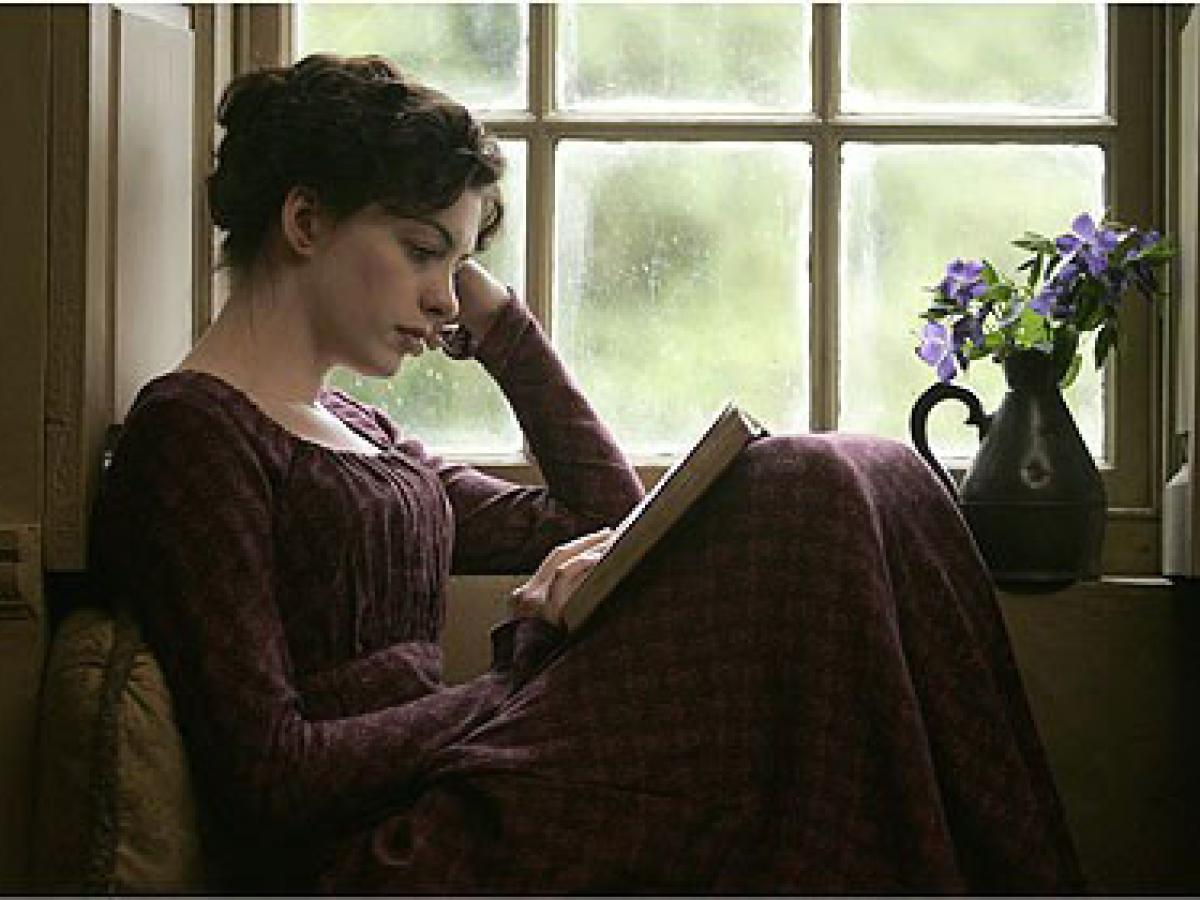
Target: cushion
{"points": [[116, 812]]}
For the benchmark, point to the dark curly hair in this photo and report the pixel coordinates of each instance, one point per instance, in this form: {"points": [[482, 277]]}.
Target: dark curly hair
{"points": [[355, 131]]}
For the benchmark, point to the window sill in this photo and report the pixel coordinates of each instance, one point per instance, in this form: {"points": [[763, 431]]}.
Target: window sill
{"points": [[1108, 588]]}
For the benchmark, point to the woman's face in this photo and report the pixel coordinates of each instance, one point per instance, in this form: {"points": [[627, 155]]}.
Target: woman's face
{"points": [[384, 284]]}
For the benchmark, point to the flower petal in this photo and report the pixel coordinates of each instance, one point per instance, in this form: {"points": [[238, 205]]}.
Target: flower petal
{"points": [[1094, 262], [934, 341], [1041, 303], [1066, 244], [1084, 226]]}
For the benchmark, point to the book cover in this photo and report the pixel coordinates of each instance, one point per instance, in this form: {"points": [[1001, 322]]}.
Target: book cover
{"points": [[680, 486]]}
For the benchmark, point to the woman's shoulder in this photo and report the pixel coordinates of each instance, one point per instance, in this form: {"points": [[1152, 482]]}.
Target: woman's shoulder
{"points": [[194, 410], [186, 393]]}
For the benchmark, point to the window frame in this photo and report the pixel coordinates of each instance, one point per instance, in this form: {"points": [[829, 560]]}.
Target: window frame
{"points": [[1130, 134]]}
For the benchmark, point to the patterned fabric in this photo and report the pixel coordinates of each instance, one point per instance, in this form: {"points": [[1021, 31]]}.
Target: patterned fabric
{"points": [[806, 687]]}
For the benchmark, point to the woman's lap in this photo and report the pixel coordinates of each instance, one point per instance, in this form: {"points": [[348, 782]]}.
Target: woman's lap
{"points": [[749, 687]]}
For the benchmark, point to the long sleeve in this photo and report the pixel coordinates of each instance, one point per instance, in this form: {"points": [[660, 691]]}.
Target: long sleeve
{"points": [[505, 527], [185, 532]]}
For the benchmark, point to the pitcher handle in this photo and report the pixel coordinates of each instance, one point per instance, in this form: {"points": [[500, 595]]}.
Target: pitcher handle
{"points": [[934, 395]]}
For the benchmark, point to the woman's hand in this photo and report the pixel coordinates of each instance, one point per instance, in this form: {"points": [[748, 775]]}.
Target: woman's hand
{"points": [[560, 573], [481, 296]]}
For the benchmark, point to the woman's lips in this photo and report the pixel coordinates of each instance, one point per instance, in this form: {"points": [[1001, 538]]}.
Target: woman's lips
{"points": [[414, 339], [428, 337]]}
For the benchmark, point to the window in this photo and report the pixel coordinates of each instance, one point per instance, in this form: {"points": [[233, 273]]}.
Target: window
{"points": [[748, 200]]}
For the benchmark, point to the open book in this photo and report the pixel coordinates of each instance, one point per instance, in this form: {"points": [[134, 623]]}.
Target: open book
{"points": [[681, 486]]}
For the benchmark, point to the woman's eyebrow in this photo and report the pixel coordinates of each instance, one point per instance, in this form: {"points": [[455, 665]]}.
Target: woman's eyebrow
{"points": [[443, 232]]}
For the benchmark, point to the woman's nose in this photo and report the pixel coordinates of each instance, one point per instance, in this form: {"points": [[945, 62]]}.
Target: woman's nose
{"points": [[441, 300]]}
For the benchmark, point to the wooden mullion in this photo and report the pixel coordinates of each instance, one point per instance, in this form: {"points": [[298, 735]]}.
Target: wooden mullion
{"points": [[823, 259], [539, 218], [1134, 191], [558, 125]]}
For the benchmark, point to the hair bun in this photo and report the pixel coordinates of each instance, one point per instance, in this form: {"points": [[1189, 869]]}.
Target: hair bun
{"points": [[246, 98]]}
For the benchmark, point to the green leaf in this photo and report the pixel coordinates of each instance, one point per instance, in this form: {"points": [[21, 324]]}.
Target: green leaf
{"points": [[998, 293], [1105, 341], [1035, 242], [973, 351], [1036, 273], [1072, 371], [988, 275], [1158, 254], [1090, 312], [1066, 346], [1030, 328]]}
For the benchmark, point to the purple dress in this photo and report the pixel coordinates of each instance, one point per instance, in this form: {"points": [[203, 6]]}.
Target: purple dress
{"points": [[807, 687]]}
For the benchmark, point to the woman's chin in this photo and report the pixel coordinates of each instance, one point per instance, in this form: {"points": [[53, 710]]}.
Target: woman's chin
{"points": [[378, 368]]}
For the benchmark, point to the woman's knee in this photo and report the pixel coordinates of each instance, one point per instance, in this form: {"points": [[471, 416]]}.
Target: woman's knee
{"points": [[807, 474]]}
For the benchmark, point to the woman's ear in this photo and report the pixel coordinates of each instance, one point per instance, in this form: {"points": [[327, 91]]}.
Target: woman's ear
{"points": [[303, 221]]}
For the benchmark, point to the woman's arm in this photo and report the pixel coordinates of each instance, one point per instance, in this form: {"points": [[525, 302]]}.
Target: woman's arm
{"points": [[184, 532], [506, 527]]}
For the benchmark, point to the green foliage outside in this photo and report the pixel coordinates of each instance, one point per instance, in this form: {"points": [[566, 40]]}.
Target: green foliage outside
{"points": [[682, 271], [682, 281], [695, 56], [476, 53], [1036, 56]]}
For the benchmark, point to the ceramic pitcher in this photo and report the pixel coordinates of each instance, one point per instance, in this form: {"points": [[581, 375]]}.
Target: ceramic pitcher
{"points": [[1033, 497]]}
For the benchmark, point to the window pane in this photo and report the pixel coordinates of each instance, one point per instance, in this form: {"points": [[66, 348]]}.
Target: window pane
{"points": [[974, 58], [682, 281], [906, 212], [476, 53], [454, 406], [684, 58]]}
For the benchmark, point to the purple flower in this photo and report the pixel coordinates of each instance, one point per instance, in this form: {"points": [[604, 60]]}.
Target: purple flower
{"points": [[1049, 301], [967, 328], [1145, 241], [1046, 300], [1087, 245], [963, 282], [937, 350]]}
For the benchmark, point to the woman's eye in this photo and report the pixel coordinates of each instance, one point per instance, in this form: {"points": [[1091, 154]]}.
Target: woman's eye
{"points": [[421, 254]]}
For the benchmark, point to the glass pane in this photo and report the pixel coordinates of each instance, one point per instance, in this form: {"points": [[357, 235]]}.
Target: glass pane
{"points": [[476, 53], [453, 406], [974, 58], [906, 212], [676, 58], [682, 281]]}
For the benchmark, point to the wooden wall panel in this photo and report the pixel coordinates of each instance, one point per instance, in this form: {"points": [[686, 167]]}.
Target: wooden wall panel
{"points": [[25, 87], [24, 107], [155, 108]]}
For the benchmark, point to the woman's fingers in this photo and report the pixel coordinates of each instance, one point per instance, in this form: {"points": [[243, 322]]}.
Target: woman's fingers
{"points": [[560, 571], [565, 552], [568, 576]]}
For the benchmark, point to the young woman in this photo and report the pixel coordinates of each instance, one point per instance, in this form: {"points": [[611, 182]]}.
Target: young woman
{"points": [[806, 687]]}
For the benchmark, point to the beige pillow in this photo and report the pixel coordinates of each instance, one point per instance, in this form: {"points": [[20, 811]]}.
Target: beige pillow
{"points": [[115, 807]]}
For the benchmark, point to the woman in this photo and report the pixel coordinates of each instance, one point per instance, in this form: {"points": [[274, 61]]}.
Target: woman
{"points": [[805, 688]]}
